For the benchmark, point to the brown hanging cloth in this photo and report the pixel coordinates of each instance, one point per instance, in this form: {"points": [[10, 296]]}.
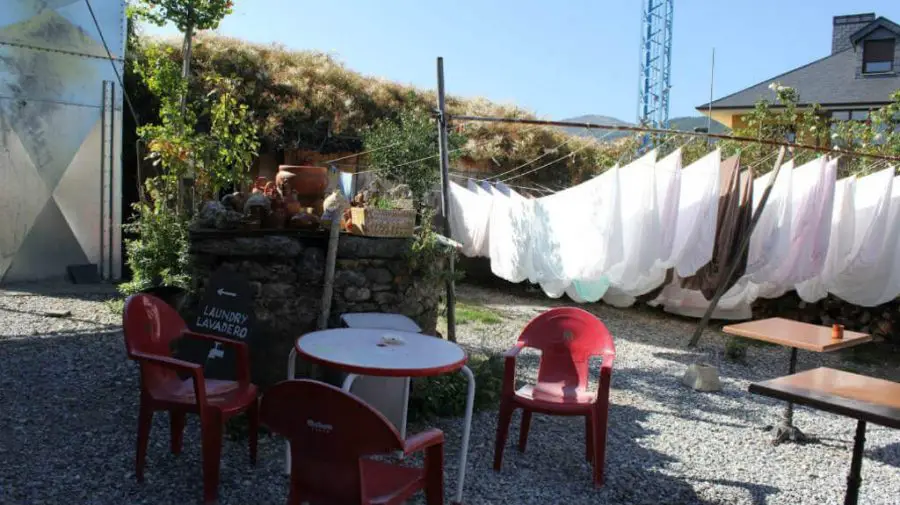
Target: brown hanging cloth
{"points": [[732, 223]]}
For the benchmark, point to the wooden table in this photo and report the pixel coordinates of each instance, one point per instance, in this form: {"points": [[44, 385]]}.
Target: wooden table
{"points": [[865, 399], [795, 335]]}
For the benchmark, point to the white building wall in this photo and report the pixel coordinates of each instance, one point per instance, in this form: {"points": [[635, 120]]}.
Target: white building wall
{"points": [[60, 137]]}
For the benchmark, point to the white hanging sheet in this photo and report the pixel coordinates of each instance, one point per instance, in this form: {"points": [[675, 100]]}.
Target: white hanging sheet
{"points": [[869, 275], [571, 234], [485, 194], [840, 244], [510, 245], [812, 203], [698, 206], [597, 243], [639, 221], [667, 173], [770, 241], [469, 213]]}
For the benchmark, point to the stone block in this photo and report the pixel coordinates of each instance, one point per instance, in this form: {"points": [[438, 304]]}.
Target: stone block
{"points": [[385, 298], [344, 278], [381, 287], [278, 290], [357, 294], [702, 378], [311, 266], [379, 275], [353, 247]]}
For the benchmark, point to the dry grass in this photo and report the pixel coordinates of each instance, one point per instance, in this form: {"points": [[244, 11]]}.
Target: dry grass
{"points": [[298, 96]]}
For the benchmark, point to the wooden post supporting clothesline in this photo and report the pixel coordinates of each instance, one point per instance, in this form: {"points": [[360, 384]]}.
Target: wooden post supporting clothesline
{"points": [[744, 245], [443, 149]]}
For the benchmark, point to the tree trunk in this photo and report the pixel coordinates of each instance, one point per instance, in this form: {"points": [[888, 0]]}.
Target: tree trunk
{"points": [[186, 79]]}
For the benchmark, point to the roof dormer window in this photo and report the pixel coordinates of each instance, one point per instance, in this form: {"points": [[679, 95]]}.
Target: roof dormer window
{"points": [[878, 56]]}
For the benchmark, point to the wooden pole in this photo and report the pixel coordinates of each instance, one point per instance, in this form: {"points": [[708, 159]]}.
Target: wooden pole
{"points": [[330, 260], [745, 243], [444, 150]]}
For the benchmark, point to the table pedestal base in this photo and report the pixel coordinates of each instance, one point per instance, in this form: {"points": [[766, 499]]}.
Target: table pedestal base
{"points": [[854, 480], [785, 431], [788, 433]]}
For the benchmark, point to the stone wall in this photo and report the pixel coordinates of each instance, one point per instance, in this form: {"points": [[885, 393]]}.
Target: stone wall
{"points": [[286, 271]]}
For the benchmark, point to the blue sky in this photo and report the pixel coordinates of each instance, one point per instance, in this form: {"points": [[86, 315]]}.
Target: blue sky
{"points": [[559, 59]]}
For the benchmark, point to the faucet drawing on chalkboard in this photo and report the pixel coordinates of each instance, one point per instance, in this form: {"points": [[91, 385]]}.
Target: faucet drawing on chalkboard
{"points": [[216, 352]]}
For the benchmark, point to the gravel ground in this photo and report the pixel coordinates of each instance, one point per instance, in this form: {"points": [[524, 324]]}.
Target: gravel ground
{"points": [[68, 407]]}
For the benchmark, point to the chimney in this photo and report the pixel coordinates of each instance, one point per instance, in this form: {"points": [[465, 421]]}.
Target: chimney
{"points": [[845, 26]]}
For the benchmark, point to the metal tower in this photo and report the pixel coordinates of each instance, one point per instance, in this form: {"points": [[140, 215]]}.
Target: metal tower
{"points": [[656, 63]]}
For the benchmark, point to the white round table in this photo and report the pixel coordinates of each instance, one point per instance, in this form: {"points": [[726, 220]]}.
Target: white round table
{"points": [[389, 353]]}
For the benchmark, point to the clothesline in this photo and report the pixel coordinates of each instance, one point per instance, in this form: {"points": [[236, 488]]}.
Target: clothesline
{"points": [[663, 131]]}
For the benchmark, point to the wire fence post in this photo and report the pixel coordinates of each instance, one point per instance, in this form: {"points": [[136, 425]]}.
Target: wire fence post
{"points": [[443, 148], [745, 243]]}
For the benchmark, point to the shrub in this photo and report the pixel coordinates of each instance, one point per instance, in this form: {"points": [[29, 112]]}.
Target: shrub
{"points": [[445, 395]]}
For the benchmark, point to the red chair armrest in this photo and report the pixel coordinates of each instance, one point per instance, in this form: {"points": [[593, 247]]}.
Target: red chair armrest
{"points": [[422, 441], [242, 362], [509, 368], [175, 364], [179, 365], [606, 366], [514, 351]]}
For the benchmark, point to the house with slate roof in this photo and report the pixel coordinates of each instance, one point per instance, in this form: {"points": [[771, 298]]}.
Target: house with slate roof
{"points": [[859, 75]]}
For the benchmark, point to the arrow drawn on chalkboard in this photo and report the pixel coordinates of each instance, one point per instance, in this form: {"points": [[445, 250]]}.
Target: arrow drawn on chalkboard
{"points": [[222, 292]]}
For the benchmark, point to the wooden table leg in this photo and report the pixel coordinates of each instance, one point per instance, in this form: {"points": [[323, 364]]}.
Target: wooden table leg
{"points": [[786, 431], [854, 479]]}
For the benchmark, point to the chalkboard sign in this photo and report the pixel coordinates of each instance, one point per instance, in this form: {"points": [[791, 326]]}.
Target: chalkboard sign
{"points": [[226, 310]]}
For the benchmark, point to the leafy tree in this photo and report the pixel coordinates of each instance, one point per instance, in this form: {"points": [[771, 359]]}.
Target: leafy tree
{"points": [[220, 157], [188, 16], [404, 150]]}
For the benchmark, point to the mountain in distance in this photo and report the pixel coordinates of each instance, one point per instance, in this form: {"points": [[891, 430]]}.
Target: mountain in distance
{"points": [[684, 123]]}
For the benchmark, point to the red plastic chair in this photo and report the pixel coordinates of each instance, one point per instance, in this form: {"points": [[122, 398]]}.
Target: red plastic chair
{"points": [[150, 327], [332, 434], [567, 337]]}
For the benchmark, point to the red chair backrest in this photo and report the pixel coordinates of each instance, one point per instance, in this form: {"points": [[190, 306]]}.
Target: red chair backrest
{"points": [[567, 337], [329, 430], [150, 325]]}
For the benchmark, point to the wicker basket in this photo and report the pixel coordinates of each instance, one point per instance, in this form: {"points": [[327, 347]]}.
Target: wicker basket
{"points": [[373, 222]]}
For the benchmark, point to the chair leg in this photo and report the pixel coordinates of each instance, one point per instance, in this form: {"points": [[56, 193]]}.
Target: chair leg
{"points": [[434, 475], [599, 425], [176, 432], [145, 422], [503, 419], [588, 438], [211, 431], [295, 492], [523, 430], [253, 414]]}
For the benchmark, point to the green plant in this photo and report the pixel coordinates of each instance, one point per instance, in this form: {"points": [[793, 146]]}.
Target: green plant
{"points": [[221, 156], [429, 258], [736, 349], [404, 150], [445, 395], [158, 255], [466, 313], [188, 16], [115, 306]]}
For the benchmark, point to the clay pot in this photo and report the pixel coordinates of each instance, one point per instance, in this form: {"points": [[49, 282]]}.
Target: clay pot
{"points": [[307, 182], [291, 206]]}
